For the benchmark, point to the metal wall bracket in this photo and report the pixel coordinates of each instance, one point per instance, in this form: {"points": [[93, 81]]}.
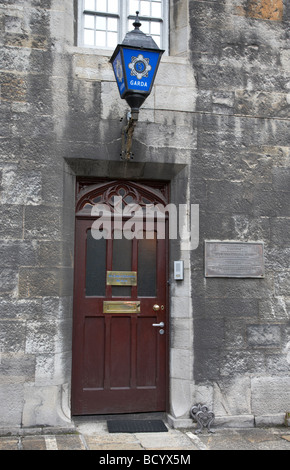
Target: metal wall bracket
{"points": [[204, 417], [127, 135]]}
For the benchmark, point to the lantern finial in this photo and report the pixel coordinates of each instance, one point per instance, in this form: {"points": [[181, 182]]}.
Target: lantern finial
{"points": [[137, 23]]}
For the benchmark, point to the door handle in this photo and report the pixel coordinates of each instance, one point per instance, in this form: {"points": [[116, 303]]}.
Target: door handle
{"points": [[156, 307], [159, 325]]}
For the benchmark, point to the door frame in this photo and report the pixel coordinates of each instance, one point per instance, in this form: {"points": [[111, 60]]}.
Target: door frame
{"points": [[83, 185]]}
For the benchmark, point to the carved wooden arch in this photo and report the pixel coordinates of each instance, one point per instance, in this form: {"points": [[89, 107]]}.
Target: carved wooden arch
{"points": [[131, 193]]}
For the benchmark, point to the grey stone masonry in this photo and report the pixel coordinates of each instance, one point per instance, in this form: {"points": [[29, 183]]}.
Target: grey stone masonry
{"points": [[217, 127], [241, 174]]}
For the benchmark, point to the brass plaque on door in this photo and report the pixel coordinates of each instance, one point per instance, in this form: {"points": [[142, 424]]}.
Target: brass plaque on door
{"points": [[117, 306], [121, 278]]}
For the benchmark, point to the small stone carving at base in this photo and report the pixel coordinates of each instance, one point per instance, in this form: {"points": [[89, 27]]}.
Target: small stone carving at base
{"points": [[203, 417]]}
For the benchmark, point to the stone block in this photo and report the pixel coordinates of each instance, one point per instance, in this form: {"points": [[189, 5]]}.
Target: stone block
{"points": [[180, 398], [16, 60], [264, 104], [238, 421], [9, 281], [280, 231], [22, 309], [40, 337], [42, 406], [206, 365], [209, 333], [264, 335], [57, 307], [42, 222], [181, 364], [270, 420], [12, 336], [264, 9], [181, 334], [233, 396], [16, 368], [25, 40], [176, 72], [21, 187], [53, 253], [179, 14], [16, 253], [179, 41], [178, 98], [285, 59], [274, 309], [234, 362], [11, 413], [282, 283], [270, 395], [180, 307], [90, 65], [281, 179], [13, 87], [54, 369], [39, 282]]}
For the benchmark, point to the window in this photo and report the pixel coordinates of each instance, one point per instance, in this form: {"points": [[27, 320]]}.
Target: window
{"points": [[104, 23]]}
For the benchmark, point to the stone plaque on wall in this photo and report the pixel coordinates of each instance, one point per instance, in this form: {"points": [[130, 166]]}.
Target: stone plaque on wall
{"points": [[234, 259]]}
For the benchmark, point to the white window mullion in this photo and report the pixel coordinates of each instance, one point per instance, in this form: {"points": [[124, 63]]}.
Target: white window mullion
{"points": [[124, 11]]}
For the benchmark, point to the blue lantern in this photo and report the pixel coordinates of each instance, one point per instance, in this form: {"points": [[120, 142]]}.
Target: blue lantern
{"points": [[135, 63]]}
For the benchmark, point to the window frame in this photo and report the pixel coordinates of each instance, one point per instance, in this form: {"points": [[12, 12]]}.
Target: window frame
{"points": [[124, 17]]}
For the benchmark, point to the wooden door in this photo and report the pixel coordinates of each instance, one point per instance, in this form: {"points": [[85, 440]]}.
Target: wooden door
{"points": [[119, 352]]}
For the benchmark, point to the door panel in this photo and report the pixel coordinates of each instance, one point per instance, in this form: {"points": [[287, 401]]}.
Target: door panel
{"points": [[119, 359]]}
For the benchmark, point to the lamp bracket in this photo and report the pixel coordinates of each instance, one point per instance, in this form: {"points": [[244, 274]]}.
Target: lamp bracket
{"points": [[127, 134]]}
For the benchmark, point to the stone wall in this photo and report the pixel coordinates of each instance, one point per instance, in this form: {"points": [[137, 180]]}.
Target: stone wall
{"points": [[217, 127], [241, 176], [36, 259]]}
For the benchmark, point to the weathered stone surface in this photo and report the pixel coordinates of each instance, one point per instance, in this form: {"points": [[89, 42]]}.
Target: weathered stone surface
{"points": [[264, 335], [39, 282], [269, 395], [217, 127], [263, 9], [42, 222], [11, 413], [13, 87]]}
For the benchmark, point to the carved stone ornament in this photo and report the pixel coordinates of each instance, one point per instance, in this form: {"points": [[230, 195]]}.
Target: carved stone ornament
{"points": [[203, 417]]}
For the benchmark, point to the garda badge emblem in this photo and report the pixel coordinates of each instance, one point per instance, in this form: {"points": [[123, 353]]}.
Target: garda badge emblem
{"points": [[139, 66]]}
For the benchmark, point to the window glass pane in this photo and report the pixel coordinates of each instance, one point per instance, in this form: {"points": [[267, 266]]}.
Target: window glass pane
{"points": [[95, 266], [122, 261], [113, 6], [134, 6], [101, 5], [147, 267], [89, 37], [89, 5], [145, 28], [112, 39], [89, 21], [145, 8], [101, 23], [156, 10], [101, 38], [157, 39], [155, 28], [112, 24]]}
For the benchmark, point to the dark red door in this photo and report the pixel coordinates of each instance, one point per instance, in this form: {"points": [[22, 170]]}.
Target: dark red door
{"points": [[120, 330]]}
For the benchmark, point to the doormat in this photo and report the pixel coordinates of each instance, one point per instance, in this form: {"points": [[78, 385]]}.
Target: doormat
{"points": [[134, 425]]}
